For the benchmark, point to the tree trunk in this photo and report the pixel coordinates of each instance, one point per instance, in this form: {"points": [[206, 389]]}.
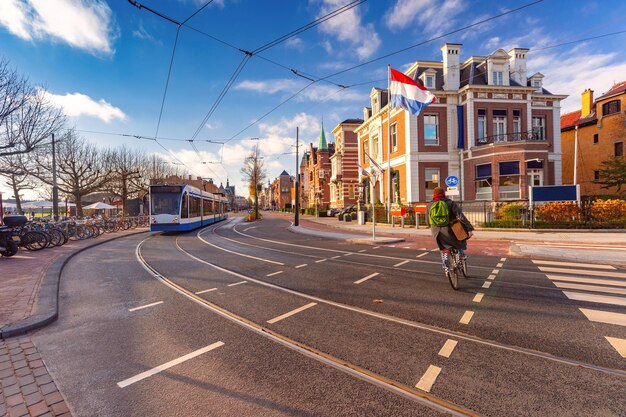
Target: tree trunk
{"points": [[18, 200], [79, 204], [124, 197]]}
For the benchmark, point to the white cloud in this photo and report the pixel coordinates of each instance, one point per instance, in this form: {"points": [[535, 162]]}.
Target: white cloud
{"points": [[317, 92], [83, 24], [492, 43], [435, 16], [348, 27], [295, 43], [328, 47], [77, 104], [142, 33]]}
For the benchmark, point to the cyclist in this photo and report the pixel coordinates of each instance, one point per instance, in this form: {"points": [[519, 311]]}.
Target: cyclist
{"points": [[440, 212]]}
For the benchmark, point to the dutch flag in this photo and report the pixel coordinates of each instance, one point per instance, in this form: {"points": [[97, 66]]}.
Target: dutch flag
{"points": [[408, 93]]}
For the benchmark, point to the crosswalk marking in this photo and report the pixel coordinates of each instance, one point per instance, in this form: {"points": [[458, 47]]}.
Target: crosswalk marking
{"points": [[583, 271], [594, 288], [607, 317], [587, 280], [595, 298], [595, 266], [618, 344]]}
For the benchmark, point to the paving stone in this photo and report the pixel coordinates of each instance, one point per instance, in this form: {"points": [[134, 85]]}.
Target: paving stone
{"points": [[30, 351], [48, 388], [29, 389], [18, 357], [12, 390], [60, 408], [6, 382], [25, 380], [20, 364], [5, 373], [50, 415], [44, 379], [15, 351], [5, 365], [38, 409], [40, 371], [53, 398], [33, 356], [4, 358], [14, 400], [36, 363], [3, 410], [23, 372], [27, 344], [33, 398], [18, 411]]}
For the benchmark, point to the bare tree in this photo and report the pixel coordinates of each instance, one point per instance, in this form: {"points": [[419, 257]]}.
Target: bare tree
{"points": [[254, 172], [126, 174], [13, 90], [16, 171], [81, 168]]}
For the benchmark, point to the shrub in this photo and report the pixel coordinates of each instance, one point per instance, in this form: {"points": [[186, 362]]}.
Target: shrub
{"points": [[510, 211], [608, 210], [558, 211]]}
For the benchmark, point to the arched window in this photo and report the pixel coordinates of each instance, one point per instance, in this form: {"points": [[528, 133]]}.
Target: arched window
{"points": [[611, 107]]}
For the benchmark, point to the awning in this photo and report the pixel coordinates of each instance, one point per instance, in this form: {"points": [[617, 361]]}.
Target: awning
{"points": [[483, 172], [509, 168], [534, 165]]}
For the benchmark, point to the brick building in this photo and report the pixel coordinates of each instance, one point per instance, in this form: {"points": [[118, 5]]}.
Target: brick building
{"points": [[281, 191], [601, 136], [493, 126], [344, 175], [318, 171]]}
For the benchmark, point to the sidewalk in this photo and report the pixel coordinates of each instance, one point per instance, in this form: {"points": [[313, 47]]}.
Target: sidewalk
{"points": [[28, 299]]}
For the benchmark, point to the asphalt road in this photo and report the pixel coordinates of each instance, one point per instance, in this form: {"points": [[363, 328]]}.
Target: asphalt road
{"points": [[252, 319]]}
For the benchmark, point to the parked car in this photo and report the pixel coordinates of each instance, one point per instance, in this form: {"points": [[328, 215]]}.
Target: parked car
{"points": [[347, 210]]}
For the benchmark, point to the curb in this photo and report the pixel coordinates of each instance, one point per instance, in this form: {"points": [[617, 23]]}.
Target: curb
{"points": [[46, 306], [354, 238]]}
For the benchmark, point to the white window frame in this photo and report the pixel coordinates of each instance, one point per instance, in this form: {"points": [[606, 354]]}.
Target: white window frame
{"points": [[394, 137], [533, 174], [374, 150], [499, 129], [482, 122], [539, 127], [497, 77], [428, 193], [517, 127], [430, 81], [436, 142]]}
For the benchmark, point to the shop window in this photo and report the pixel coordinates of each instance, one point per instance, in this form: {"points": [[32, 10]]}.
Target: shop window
{"points": [[431, 176], [483, 180]]}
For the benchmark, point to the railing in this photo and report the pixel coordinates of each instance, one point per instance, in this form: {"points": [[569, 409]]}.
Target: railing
{"points": [[532, 136]]}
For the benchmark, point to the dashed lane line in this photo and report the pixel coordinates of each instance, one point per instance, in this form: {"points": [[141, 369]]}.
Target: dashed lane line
{"points": [[604, 274], [167, 365], [447, 348], [467, 316], [335, 257], [319, 261], [146, 306], [570, 264], [487, 284], [495, 271], [593, 288], [237, 283], [422, 254], [567, 278], [366, 278], [291, 313], [478, 297], [502, 259], [376, 247], [205, 291], [274, 273], [499, 265], [300, 266], [401, 263], [428, 379], [595, 298], [608, 317], [491, 277], [363, 250], [237, 253], [618, 344]]}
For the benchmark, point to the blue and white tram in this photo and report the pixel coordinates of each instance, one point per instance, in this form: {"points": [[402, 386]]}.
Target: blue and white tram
{"points": [[183, 207]]}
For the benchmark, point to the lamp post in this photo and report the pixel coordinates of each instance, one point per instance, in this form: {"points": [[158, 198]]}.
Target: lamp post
{"points": [[296, 220], [55, 189]]}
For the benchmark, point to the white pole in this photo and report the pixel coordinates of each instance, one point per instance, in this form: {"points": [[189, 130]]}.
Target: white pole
{"points": [[373, 209], [389, 179], [576, 156]]}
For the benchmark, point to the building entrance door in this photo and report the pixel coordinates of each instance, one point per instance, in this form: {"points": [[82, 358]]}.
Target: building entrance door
{"points": [[535, 177]]}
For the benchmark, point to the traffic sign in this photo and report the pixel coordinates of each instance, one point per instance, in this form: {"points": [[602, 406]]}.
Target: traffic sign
{"points": [[452, 181]]}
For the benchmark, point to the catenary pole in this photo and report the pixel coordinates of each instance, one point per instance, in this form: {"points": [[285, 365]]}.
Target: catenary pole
{"points": [[296, 220], [389, 176], [576, 156], [55, 189]]}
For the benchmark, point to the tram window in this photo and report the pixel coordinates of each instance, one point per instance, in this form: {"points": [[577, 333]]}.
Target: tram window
{"points": [[184, 211], [165, 203], [194, 206]]}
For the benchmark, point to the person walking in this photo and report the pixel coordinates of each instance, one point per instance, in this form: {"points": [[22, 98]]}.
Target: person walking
{"points": [[439, 213]]}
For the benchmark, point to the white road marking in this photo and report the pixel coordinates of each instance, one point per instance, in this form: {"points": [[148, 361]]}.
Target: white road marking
{"points": [[434, 250], [618, 344], [319, 261], [203, 291], [274, 273], [391, 246], [423, 249], [146, 306], [594, 288], [300, 266], [587, 280], [407, 247], [499, 265], [594, 298], [237, 253], [492, 276], [570, 264], [376, 247], [583, 271], [495, 271], [253, 227], [467, 316], [607, 317], [502, 259], [363, 250], [428, 379], [487, 284], [366, 278], [422, 254], [237, 283], [335, 257], [291, 313], [347, 254], [401, 263], [167, 365], [478, 297], [447, 348]]}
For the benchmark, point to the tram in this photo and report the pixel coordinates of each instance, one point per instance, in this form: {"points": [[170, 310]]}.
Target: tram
{"points": [[176, 208]]}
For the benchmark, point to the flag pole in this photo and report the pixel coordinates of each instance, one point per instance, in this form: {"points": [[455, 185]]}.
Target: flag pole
{"points": [[389, 179], [373, 183]]}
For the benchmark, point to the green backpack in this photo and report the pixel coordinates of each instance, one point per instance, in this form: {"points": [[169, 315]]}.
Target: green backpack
{"points": [[439, 215]]}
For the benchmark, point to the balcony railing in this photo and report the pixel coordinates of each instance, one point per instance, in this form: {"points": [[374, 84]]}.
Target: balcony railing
{"points": [[532, 136]]}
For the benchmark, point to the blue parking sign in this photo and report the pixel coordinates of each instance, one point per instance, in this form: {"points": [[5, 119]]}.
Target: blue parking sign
{"points": [[452, 181]]}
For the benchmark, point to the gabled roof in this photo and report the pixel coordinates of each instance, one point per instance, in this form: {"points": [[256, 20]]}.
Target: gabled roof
{"points": [[570, 120], [352, 121], [616, 89], [284, 173]]}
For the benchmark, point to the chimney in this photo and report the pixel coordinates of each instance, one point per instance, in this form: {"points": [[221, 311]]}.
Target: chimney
{"points": [[517, 65], [587, 103], [451, 65]]}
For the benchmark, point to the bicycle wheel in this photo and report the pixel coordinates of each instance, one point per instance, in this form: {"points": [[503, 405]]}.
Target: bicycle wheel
{"points": [[34, 241], [463, 267], [55, 238], [453, 272]]}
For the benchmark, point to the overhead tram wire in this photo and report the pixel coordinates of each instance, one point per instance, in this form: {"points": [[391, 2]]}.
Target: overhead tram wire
{"points": [[578, 41], [97, 132]]}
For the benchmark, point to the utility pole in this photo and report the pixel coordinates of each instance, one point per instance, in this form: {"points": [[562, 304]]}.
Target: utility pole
{"points": [[576, 156], [296, 220], [55, 190]]}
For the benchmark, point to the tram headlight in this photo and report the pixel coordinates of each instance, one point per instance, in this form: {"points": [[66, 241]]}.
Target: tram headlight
{"points": [[175, 220], [153, 220]]}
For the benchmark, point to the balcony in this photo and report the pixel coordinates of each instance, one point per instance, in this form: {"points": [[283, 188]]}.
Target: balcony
{"points": [[532, 136]]}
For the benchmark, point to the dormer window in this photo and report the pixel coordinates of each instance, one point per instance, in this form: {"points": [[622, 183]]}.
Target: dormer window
{"points": [[428, 78], [497, 78], [611, 107], [430, 82]]}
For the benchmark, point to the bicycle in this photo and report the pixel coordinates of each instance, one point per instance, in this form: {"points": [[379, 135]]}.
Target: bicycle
{"points": [[456, 264]]}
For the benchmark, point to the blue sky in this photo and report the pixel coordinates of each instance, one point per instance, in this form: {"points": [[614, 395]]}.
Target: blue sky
{"points": [[105, 63]]}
